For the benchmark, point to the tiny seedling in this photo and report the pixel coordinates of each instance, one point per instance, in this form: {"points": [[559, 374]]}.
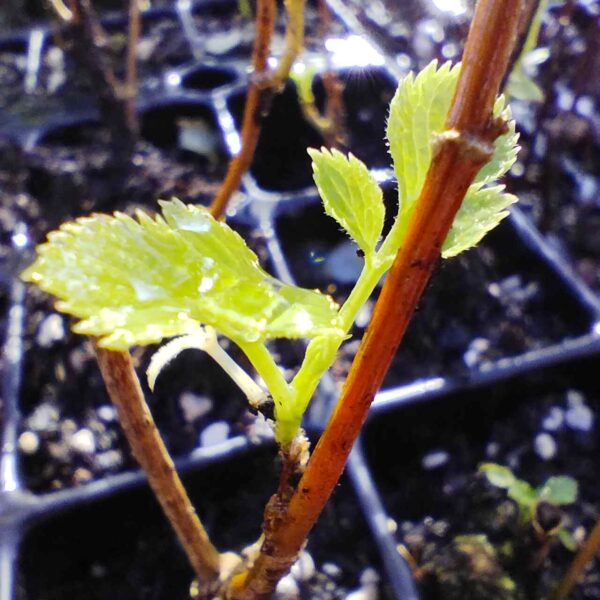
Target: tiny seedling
{"points": [[535, 504], [182, 274]]}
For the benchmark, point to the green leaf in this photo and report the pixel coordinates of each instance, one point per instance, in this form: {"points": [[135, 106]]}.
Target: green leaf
{"points": [[350, 195], [567, 539], [523, 494], [559, 490], [498, 475], [418, 109], [481, 211], [505, 147], [522, 87], [134, 282], [418, 112]]}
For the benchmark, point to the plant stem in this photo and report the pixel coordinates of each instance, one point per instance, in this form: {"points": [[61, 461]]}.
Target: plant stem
{"points": [[261, 89], [257, 99], [294, 40], [459, 153], [589, 549], [283, 393], [133, 37], [138, 425], [90, 41]]}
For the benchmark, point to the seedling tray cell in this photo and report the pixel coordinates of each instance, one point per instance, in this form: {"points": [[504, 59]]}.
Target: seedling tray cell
{"points": [[540, 425]]}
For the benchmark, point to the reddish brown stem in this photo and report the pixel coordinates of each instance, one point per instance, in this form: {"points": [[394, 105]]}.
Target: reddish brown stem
{"points": [[133, 36], [257, 99], [138, 425], [590, 548], [459, 154]]}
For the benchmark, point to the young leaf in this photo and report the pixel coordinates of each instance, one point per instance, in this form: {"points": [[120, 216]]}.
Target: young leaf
{"points": [[418, 111], [350, 195], [567, 539], [559, 490], [481, 211], [498, 475], [138, 281], [523, 494]]}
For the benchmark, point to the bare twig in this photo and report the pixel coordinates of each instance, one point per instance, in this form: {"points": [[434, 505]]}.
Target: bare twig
{"points": [[148, 448], [258, 94], [465, 146], [133, 37], [590, 548], [61, 10], [294, 41], [261, 89]]}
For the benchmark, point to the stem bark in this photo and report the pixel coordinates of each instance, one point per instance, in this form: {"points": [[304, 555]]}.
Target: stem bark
{"points": [[257, 99], [148, 448], [590, 548]]}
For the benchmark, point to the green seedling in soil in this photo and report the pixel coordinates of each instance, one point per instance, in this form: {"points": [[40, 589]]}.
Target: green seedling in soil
{"points": [[538, 507], [184, 275]]}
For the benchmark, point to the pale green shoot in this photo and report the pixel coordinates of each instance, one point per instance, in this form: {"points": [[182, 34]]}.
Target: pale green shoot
{"points": [[559, 491], [139, 281]]}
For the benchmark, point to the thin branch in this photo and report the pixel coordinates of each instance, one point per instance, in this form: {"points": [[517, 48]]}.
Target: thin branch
{"points": [[138, 425], [261, 89], [133, 36], [590, 548], [459, 154], [61, 10], [294, 41]]}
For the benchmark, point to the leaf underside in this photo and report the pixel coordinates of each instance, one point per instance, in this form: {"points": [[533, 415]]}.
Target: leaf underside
{"points": [[417, 112], [137, 281]]}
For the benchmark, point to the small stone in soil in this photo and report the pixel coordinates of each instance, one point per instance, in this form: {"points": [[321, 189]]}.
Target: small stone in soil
{"points": [[492, 449], [545, 446], [435, 459], [555, 419], [83, 442], [215, 433], [331, 570], [287, 589], [29, 442], [108, 461], [44, 418], [578, 416], [82, 475], [194, 407], [107, 413], [304, 568], [51, 330]]}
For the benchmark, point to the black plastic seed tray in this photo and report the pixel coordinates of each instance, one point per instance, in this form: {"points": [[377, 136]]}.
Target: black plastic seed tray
{"points": [[61, 527]]}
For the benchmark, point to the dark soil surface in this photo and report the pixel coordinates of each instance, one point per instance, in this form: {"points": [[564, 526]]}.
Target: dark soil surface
{"points": [[557, 174], [493, 302], [122, 548], [425, 463]]}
